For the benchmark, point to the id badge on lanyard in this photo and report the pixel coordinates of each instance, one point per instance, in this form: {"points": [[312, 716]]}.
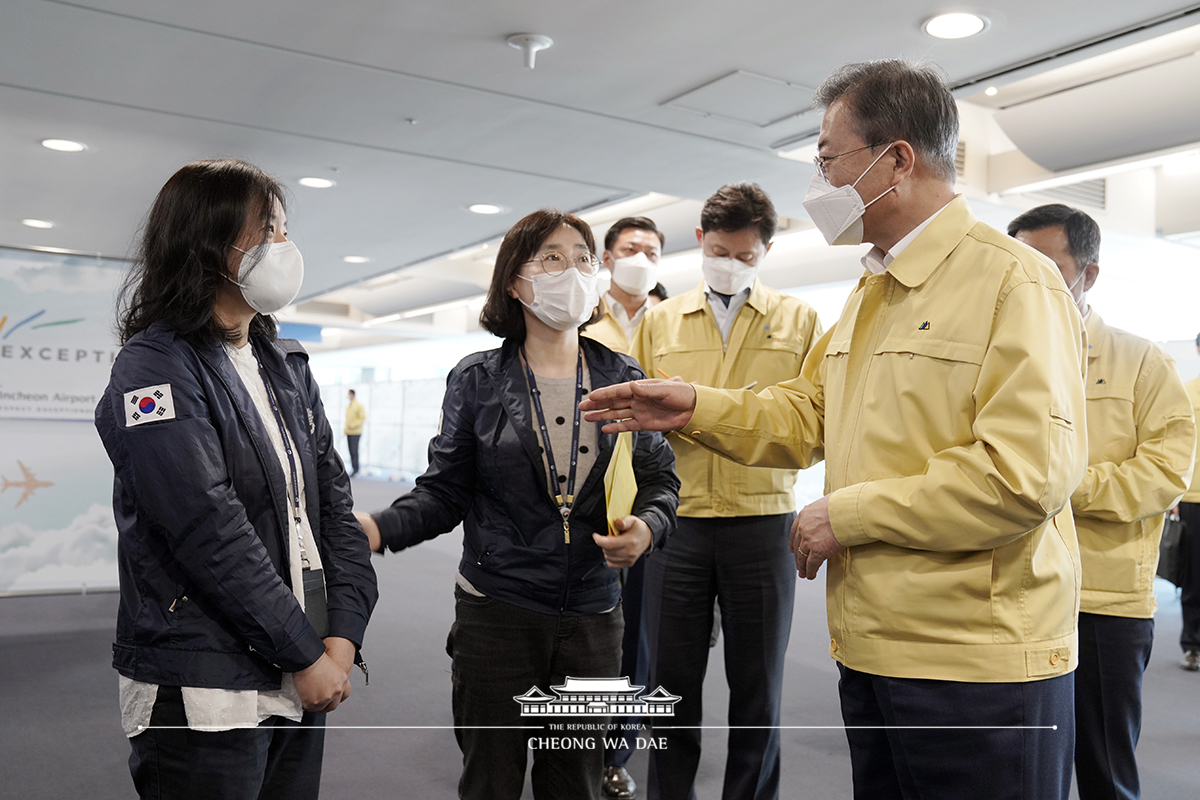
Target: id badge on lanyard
{"points": [[316, 604]]}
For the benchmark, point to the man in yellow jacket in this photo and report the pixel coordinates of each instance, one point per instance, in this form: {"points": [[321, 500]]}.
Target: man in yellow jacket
{"points": [[1189, 512], [1141, 444], [356, 415], [948, 400], [731, 544], [632, 248]]}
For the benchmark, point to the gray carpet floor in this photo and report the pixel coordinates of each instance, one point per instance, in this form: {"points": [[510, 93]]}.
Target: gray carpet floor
{"points": [[60, 735]]}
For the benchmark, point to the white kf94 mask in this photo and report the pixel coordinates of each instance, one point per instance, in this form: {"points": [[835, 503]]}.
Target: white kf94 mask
{"points": [[837, 212]]}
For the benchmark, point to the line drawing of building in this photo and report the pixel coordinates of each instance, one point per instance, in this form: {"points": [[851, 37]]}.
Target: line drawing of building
{"points": [[599, 697]]}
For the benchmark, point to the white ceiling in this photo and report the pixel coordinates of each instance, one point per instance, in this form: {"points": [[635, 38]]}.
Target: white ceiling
{"points": [[308, 87]]}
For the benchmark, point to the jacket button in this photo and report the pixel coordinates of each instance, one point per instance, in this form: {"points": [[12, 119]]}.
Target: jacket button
{"points": [[1054, 659], [833, 645]]}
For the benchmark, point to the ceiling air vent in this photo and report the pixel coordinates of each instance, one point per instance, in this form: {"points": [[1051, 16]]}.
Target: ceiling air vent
{"points": [[1084, 193], [960, 159], [747, 99]]}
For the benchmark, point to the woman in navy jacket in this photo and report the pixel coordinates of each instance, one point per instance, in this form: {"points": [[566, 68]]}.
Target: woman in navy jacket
{"points": [[537, 595], [228, 496]]}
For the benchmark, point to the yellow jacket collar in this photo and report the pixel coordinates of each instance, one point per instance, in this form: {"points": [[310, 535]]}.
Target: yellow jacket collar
{"points": [[927, 252], [697, 298], [1097, 334]]}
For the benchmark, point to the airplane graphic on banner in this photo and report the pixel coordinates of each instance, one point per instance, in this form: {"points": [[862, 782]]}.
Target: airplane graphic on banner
{"points": [[30, 484]]}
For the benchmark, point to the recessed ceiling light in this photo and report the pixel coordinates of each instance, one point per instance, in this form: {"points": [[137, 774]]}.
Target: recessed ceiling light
{"points": [[356, 259], [991, 91], [37, 223], [485, 208], [64, 145], [317, 183], [955, 26]]}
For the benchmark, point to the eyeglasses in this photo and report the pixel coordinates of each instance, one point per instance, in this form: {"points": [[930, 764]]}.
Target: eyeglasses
{"points": [[821, 161], [555, 263]]}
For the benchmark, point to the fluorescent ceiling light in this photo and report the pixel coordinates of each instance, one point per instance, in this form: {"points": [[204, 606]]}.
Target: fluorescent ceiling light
{"points": [[954, 26], [804, 154], [64, 145], [356, 259], [1182, 164], [37, 223], [317, 183], [1102, 170], [425, 310], [484, 208]]}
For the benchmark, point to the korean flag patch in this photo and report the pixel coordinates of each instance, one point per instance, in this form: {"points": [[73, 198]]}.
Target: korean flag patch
{"points": [[151, 404]]}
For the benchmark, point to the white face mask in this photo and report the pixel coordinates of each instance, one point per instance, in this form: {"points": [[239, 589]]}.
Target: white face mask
{"points": [[727, 275], [563, 301], [636, 274], [837, 212], [274, 281]]}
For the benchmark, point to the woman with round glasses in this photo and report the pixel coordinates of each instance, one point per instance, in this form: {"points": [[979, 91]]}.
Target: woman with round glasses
{"points": [[537, 594]]}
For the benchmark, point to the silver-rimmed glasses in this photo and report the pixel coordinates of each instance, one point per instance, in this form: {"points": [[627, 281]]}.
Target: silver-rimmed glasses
{"points": [[555, 263]]}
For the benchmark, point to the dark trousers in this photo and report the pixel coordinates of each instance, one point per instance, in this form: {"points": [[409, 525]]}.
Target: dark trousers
{"points": [[1189, 638], [635, 659], [891, 760], [352, 446], [1113, 654], [278, 760], [499, 652], [744, 563]]}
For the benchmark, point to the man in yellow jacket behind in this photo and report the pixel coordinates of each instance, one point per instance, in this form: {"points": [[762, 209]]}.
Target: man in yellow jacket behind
{"points": [[632, 248], [1189, 512], [356, 415], [1141, 442], [731, 544], [949, 402]]}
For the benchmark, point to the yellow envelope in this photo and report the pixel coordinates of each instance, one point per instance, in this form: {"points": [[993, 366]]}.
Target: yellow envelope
{"points": [[620, 484]]}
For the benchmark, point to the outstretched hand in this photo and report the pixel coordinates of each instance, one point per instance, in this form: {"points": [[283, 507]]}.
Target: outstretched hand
{"points": [[648, 405]]}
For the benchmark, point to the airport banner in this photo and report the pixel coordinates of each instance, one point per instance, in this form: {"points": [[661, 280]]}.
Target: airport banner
{"points": [[57, 340]]}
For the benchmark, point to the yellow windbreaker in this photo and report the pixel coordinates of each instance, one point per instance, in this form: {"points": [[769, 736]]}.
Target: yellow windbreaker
{"points": [[1193, 493], [356, 415], [949, 400], [771, 335], [1141, 445], [607, 331]]}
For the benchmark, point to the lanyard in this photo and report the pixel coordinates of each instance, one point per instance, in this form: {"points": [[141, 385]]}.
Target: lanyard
{"points": [[565, 502], [287, 447]]}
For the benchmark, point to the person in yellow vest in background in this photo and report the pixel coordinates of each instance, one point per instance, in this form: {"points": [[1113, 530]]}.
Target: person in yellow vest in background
{"points": [[632, 247], [1189, 512], [1141, 442], [732, 541], [356, 415]]}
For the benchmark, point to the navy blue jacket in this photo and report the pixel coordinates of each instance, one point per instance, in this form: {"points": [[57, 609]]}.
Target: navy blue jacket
{"points": [[486, 471], [201, 509]]}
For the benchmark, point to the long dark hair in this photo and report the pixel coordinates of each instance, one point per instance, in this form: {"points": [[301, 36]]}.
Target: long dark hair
{"points": [[183, 258], [502, 314]]}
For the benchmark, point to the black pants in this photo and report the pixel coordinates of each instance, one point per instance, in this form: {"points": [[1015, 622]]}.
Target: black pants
{"points": [[1189, 638], [499, 652], [352, 446], [1020, 758], [1113, 654], [278, 760], [744, 563], [635, 659]]}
